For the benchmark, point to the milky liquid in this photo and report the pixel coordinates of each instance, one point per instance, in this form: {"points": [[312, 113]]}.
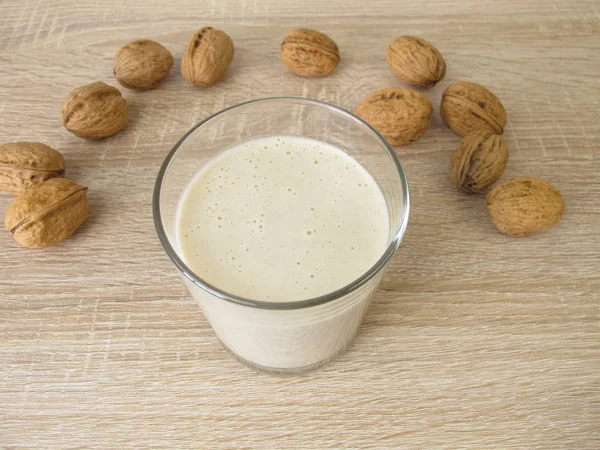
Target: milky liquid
{"points": [[282, 219]]}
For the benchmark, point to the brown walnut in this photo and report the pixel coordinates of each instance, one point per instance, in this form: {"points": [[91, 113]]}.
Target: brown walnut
{"points": [[47, 213], [23, 164], [309, 53], [207, 57], [95, 111]]}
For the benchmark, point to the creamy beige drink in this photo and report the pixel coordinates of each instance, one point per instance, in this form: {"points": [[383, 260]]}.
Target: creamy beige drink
{"points": [[282, 219]]}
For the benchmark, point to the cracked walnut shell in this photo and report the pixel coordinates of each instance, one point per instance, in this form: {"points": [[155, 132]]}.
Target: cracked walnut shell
{"points": [[478, 162], [95, 111], [47, 213], [400, 115], [207, 57], [309, 53], [142, 64], [416, 61]]}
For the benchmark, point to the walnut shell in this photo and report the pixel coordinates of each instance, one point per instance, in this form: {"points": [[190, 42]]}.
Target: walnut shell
{"points": [[523, 206], [23, 164], [207, 57], [142, 64], [95, 111], [478, 162], [47, 213], [470, 107], [400, 115], [309, 53], [416, 61]]}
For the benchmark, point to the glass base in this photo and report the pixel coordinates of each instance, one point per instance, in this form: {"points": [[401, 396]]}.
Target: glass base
{"points": [[283, 371]]}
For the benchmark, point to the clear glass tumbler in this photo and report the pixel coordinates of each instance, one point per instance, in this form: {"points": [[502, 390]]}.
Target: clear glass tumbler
{"points": [[282, 337]]}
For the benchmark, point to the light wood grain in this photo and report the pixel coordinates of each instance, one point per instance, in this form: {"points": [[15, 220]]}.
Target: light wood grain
{"points": [[474, 340]]}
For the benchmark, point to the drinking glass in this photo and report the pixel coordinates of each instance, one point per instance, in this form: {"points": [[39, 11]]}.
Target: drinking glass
{"points": [[296, 336]]}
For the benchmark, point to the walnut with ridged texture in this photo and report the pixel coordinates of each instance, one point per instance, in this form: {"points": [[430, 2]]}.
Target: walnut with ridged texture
{"points": [[470, 107], [400, 115], [523, 206], [24, 164], [207, 57], [47, 213], [309, 53], [142, 64], [478, 162], [416, 61], [95, 111]]}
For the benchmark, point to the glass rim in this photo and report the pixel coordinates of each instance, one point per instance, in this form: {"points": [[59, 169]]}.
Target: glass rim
{"points": [[298, 304]]}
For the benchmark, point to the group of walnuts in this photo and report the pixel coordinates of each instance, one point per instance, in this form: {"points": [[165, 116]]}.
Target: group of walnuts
{"points": [[519, 207], [49, 208]]}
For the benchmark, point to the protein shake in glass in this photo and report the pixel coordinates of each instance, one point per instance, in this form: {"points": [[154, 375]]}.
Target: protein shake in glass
{"points": [[282, 228]]}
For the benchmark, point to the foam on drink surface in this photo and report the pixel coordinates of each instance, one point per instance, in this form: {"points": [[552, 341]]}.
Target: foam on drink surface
{"points": [[282, 219]]}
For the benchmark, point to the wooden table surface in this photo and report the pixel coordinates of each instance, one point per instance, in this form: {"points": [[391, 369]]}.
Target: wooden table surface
{"points": [[475, 340]]}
